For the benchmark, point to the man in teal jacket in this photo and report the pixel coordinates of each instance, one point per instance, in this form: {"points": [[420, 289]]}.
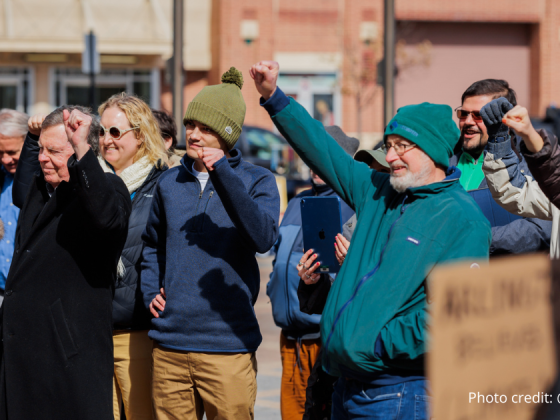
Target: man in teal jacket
{"points": [[374, 325]]}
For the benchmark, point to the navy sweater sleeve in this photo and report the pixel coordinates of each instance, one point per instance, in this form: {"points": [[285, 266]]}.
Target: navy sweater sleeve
{"points": [[154, 252], [254, 213]]}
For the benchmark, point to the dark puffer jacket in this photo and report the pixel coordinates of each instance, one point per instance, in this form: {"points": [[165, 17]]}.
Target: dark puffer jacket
{"points": [[129, 311], [545, 166]]}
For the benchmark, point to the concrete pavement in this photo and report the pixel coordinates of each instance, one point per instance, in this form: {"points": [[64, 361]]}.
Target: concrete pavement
{"points": [[267, 405]]}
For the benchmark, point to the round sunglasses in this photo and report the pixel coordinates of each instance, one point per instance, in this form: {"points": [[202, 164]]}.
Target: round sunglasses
{"points": [[115, 132]]}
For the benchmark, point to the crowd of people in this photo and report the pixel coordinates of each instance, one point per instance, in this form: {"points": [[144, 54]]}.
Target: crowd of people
{"points": [[128, 268]]}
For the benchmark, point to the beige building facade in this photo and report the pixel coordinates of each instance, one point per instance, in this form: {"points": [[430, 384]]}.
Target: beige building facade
{"points": [[41, 45], [328, 51]]}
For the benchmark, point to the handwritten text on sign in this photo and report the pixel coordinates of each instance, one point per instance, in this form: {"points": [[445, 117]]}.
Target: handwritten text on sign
{"points": [[492, 339]]}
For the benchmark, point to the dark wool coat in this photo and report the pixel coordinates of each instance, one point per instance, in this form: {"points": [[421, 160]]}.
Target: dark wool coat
{"points": [[129, 311], [57, 350]]}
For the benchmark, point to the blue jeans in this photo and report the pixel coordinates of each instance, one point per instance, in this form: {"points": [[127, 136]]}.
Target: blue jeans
{"points": [[404, 401]]}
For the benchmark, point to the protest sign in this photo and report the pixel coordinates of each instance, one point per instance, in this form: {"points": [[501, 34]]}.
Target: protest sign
{"points": [[492, 352]]}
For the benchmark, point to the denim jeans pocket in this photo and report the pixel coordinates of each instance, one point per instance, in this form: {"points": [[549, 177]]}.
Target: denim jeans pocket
{"points": [[422, 407], [382, 397], [378, 404]]}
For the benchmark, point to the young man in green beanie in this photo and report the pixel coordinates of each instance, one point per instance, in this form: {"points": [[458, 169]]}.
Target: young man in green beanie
{"points": [[200, 278], [374, 324]]}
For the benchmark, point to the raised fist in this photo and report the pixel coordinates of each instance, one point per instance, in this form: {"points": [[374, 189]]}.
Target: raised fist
{"points": [[265, 75], [518, 119], [492, 114], [77, 125], [34, 124]]}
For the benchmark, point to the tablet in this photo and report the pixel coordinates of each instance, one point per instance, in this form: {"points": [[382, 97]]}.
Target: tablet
{"points": [[321, 222]]}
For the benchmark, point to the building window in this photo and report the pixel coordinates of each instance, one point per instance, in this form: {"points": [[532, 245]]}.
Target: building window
{"points": [[319, 94], [15, 88], [71, 86]]}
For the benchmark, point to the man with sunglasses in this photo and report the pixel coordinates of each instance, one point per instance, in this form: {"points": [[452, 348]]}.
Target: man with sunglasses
{"points": [[511, 234], [374, 324]]}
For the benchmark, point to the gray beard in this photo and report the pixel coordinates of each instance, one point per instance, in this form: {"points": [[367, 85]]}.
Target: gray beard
{"points": [[411, 180]]}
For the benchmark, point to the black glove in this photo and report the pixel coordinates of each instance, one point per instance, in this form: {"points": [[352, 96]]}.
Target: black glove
{"points": [[492, 114]]}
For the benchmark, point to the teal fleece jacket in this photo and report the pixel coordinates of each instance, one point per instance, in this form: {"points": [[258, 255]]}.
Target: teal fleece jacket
{"points": [[400, 237]]}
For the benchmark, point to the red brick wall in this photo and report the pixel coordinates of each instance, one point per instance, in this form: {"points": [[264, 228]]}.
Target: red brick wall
{"points": [[334, 26], [471, 11], [549, 74]]}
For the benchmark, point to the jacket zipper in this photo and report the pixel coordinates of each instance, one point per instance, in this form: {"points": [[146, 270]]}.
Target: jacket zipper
{"points": [[205, 207]]}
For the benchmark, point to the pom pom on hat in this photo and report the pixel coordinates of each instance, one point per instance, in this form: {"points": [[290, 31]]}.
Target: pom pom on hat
{"points": [[233, 76]]}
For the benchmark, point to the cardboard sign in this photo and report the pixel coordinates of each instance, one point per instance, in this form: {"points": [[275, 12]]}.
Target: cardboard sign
{"points": [[492, 352]]}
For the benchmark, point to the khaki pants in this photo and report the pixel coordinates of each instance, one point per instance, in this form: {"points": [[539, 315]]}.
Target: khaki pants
{"points": [[185, 385], [294, 381], [132, 375]]}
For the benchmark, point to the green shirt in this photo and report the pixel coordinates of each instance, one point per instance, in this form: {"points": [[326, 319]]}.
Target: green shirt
{"points": [[471, 171]]}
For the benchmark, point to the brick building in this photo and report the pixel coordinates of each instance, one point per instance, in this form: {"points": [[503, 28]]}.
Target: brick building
{"points": [[328, 51]]}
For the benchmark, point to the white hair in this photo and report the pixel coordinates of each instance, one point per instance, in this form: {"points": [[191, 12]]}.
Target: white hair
{"points": [[13, 123], [410, 179]]}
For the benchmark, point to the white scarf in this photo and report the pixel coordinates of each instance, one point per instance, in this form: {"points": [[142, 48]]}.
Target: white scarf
{"points": [[133, 177]]}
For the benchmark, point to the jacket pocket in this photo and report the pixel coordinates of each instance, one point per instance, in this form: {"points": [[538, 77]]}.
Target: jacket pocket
{"points": [[62, 330]]}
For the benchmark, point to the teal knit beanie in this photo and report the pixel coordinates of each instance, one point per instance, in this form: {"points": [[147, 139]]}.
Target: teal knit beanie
{"points": [[221, 107], [430, 126]]}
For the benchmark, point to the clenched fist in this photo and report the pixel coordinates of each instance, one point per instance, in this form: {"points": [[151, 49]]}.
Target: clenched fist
{"points": [[518, 119], [210, 156], [34, 124], [77, 125], [265, 75]]}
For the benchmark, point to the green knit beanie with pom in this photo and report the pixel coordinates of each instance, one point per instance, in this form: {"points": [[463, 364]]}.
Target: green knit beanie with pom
{"points": [[221, 107]]}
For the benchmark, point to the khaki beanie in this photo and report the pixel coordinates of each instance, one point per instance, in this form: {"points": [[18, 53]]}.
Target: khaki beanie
{"points": [[221, 107]]}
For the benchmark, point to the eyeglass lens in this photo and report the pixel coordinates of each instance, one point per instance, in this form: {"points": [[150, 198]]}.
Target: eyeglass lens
{"points": [[113, 132], [462, 114], [400, 148]]}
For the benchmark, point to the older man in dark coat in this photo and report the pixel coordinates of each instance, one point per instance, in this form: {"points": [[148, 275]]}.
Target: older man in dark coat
{"points": [[57, 353]]}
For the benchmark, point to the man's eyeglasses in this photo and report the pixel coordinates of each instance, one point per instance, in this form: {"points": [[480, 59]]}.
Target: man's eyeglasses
{"points": [[400, 148], [115, 132], [463, 114]]}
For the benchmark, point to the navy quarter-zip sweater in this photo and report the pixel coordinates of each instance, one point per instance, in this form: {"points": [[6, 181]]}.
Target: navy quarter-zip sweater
{"points": [[200, 247]]}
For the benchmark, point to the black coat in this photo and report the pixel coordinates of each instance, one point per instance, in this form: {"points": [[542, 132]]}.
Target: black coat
{"points": [[28, 166], [129, 311], [57, 350]]}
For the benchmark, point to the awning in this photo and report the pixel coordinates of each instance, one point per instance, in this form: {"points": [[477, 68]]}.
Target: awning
{"points": [[139, 27]]}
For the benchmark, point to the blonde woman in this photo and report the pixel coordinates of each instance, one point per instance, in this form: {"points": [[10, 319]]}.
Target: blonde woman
{"points": [[131, 146]]}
